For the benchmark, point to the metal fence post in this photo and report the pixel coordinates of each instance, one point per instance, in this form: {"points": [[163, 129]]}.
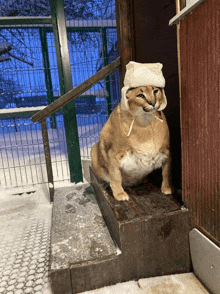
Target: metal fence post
{"points": [[107, 80], [65, 78], [46, 64]]}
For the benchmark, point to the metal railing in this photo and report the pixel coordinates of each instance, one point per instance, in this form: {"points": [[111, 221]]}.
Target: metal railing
{"points": [[61, 102], [73, 130]]}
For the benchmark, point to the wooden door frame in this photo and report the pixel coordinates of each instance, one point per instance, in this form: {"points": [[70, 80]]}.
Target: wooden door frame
{"points": [[125, 34]]}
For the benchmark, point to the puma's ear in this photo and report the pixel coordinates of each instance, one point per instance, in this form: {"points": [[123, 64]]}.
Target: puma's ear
{"points": [[128, 92], [164, 100], [124, 93]]}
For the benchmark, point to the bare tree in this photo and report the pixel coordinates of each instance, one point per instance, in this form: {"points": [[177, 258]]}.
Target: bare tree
{"points": [[74, 9], [8, 90]]}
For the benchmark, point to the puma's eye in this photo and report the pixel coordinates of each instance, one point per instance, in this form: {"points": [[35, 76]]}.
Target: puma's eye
{"points": [[155, 91], [141, 96]]}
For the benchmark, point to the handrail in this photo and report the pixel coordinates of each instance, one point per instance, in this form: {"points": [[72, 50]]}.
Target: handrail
{"points": [[76, 92]]}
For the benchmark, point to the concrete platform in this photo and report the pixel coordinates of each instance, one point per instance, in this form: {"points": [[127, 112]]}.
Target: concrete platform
{"points": [[172, 284], [142, 237], [79, 232], [79, 235]]}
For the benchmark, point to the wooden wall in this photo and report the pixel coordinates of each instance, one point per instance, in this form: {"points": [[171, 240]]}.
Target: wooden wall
{"points": [[200, 115]]}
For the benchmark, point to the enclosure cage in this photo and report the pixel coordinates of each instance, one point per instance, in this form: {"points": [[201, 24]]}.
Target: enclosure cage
{"points": [[29, 81]]}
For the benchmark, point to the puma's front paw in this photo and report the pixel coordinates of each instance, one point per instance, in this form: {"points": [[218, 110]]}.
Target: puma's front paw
{"points": [[122, 196], [167, 189]]}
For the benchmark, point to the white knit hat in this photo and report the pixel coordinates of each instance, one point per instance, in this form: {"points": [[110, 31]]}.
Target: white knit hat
{"points": [[142, 74]]}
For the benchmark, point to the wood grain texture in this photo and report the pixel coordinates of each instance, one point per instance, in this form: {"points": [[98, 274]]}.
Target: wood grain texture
{"points": [[125, 33], [200, 115]]}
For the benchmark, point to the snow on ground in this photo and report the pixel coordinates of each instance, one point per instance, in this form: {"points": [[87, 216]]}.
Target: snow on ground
{"points": [[25, 218]]}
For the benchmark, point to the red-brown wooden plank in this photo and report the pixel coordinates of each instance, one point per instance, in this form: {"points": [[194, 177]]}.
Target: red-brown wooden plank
{"points": [[200, 116]]}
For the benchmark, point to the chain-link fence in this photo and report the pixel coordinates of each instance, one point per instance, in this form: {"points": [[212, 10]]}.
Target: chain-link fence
{"points": [[29, 81]]}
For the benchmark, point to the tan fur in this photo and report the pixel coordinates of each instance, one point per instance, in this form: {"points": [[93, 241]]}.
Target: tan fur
{"points": [[124, 158]]}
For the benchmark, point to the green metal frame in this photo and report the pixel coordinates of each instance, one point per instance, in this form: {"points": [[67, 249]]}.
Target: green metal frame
{"points": [[65, 78], [25, 20], [18, 113], [57, 25], [105, 50], [47, 73]]}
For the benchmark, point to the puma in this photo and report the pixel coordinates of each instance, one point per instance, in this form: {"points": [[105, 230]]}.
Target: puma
{"points": [[134, 141]]}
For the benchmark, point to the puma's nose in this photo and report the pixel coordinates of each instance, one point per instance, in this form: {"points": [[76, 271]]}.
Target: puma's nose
{"points": [[152, 103]]}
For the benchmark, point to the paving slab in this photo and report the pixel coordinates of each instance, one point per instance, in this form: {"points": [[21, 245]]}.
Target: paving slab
{"points": [[130, 287], [25, 218], [172, 284], [178, 284]]}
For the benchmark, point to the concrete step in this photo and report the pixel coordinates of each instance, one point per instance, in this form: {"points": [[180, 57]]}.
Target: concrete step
{"points": [[151, 230], [146, 236], [79, 235]]}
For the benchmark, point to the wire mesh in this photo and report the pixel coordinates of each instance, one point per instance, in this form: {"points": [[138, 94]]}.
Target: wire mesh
{"points": [[28, 64], [22, 82], [22, 160]]}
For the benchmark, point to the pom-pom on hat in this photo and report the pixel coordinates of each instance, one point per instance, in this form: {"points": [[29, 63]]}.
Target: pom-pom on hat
{"points": [[141, 74]]}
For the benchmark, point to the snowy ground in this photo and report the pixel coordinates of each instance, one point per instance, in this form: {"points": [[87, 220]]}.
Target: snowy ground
{"points": [[24, 240], [25, 217]]}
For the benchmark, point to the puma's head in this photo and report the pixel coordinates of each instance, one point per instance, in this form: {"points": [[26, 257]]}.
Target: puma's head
{"points": [[148, 99]]}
